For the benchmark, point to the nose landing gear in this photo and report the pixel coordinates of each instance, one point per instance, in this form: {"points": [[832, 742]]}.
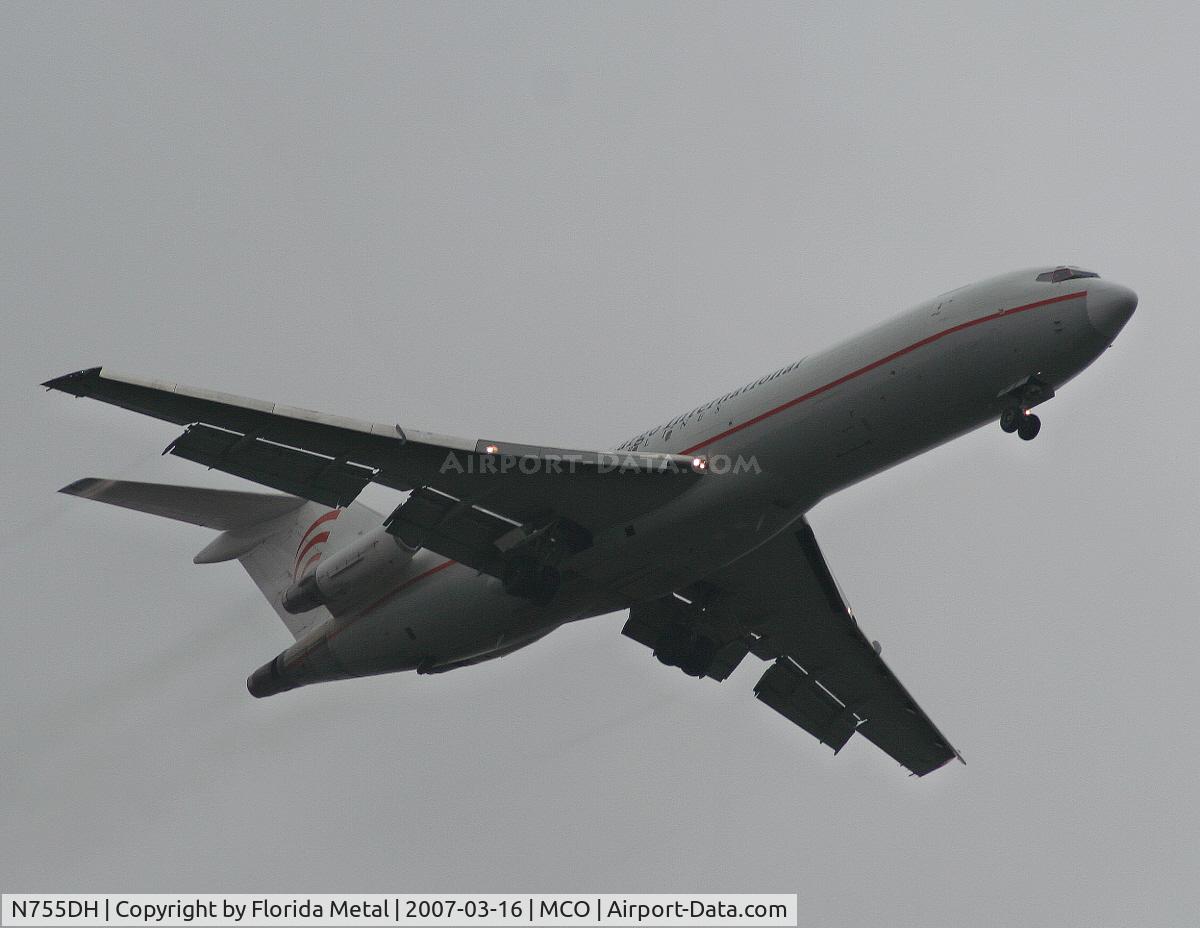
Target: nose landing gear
{"points": [[1017, 399]]}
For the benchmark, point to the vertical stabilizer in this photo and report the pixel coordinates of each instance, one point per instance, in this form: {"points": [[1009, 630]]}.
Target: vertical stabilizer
{"points": [[292, 550]]}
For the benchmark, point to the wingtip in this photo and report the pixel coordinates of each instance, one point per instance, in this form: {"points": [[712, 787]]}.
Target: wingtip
{"points": [[72, 382], [925, 771], [85, 487]]}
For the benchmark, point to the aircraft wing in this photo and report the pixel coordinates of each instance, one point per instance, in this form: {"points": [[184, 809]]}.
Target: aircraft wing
{"points": [[472, 500], [781, 603]]}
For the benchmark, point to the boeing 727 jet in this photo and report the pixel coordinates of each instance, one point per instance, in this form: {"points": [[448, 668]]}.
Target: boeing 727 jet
{"points": [[696, 526]]}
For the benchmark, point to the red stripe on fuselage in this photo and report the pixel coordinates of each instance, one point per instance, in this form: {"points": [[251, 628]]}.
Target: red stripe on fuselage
{"points": [[403, 586], [874, 364]]}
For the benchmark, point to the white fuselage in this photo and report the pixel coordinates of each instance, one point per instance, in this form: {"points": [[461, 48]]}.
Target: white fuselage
{"points": [[775, 448]]}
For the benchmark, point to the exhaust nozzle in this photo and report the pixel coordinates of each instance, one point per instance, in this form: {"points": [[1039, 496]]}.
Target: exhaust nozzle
{"points": [[269, 679]]}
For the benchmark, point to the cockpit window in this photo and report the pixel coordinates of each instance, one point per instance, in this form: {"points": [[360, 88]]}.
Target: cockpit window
{"points": [[1065, 273]]}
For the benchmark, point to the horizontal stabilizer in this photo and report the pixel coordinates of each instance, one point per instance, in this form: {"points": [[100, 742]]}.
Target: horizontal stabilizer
{"points": [[263, 531], [223, 510]]}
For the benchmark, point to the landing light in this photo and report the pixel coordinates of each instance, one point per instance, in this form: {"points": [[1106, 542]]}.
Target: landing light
{"points": [[699, 463], [492, 449]]}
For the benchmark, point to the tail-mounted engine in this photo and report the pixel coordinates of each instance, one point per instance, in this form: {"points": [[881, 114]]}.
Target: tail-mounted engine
{"points": [[365, 565]]}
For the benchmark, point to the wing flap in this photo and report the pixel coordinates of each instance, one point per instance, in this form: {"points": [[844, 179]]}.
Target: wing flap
{"points": [[797, 697], [452, 528], [312, 476]]}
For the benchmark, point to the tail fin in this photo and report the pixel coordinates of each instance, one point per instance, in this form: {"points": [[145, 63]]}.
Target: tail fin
{"points": [[276, 538]]}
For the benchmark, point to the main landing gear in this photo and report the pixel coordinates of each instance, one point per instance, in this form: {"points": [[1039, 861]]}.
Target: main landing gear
{"points": [[1025, 423], [681, 647]]}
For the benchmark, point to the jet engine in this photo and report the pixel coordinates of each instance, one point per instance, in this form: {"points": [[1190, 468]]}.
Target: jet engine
{"points": [[368, 563]]}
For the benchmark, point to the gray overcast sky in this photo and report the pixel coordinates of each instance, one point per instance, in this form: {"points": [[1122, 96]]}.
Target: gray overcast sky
{"points": [[566, 223]]}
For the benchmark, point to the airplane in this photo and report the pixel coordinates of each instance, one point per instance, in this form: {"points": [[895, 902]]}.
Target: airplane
{"points": [[697, 526]]}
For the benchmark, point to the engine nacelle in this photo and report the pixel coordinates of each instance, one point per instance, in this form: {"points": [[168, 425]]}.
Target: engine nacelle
{"points": [[353, 572]]}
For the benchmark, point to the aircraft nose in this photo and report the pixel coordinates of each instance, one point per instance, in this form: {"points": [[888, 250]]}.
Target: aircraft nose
{"points": [[1109, 308]]}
